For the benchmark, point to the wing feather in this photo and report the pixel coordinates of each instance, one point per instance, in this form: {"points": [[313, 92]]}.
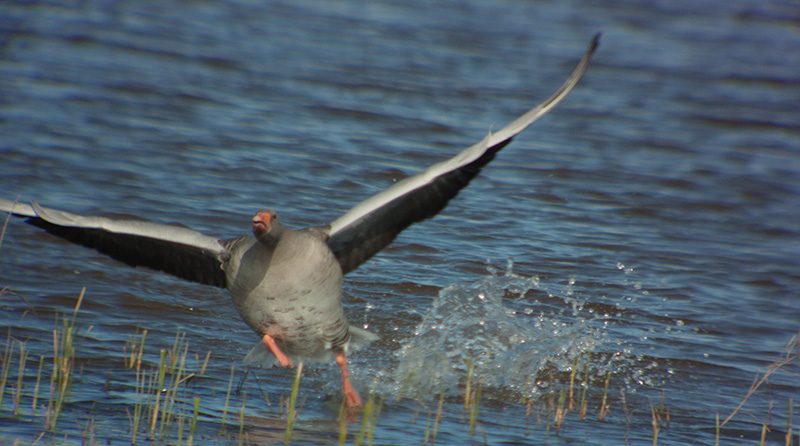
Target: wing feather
{"points": [[175, 250], [372, 224]]}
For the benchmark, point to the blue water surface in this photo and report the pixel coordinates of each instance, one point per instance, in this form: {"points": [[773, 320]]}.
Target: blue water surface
{"points": [[655, 213]]}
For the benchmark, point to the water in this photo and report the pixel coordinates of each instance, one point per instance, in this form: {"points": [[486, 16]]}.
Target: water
{"points": [[469, 331], [654, 215]]}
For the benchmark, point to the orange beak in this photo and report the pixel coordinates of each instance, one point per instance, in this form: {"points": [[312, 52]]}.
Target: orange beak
{"points": [[261, 222]]}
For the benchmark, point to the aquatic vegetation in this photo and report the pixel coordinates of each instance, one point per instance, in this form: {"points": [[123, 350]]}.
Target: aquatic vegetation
{"points": [[291, 410], [63, 364], [162, 410]]}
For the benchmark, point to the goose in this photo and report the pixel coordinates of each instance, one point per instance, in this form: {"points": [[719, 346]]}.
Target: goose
{"points": [[287, 283]]}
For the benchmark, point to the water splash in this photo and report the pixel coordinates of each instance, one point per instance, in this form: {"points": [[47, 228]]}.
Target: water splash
{"points": [[492, 324]]}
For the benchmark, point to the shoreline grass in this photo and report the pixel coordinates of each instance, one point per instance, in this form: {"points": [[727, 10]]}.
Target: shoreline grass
{"points": [[291, 408], [162, 414], [6, 366], [63, 364]]}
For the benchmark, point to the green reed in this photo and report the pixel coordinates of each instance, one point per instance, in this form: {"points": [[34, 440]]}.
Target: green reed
{"points": [[63, 364], [291, 412]]}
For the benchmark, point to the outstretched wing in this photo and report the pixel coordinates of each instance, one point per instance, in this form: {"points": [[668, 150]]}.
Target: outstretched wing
{"points": [[176, 250], [372, 224]]}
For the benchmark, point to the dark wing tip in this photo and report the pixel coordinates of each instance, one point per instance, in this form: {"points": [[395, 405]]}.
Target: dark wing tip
{"points": [[595, 41]]}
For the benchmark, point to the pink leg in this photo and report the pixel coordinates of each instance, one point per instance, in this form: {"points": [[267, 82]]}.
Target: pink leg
{"points": [[269, 341], [351, 398]]}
